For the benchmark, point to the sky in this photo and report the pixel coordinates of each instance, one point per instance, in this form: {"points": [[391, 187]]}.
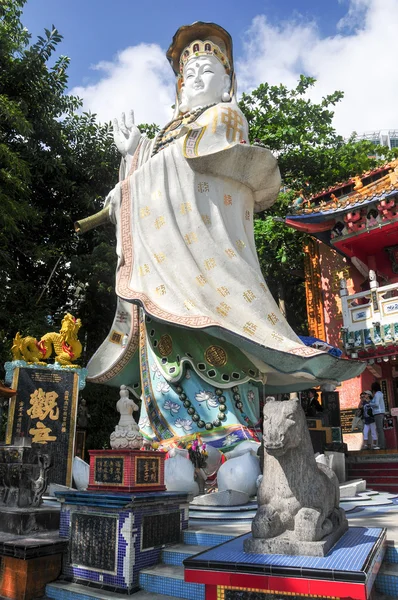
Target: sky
{"points": [[118, 63]]}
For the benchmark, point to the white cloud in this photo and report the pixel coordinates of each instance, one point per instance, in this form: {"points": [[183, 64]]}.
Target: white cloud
{"points": [[358, 59], [139, 78], [361, 63]]}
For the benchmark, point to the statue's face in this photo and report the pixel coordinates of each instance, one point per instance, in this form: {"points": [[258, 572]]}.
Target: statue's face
{"points": [[205, 80]]}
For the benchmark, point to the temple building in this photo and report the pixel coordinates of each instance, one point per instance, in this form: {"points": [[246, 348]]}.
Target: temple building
{"points": [[351, 266]]}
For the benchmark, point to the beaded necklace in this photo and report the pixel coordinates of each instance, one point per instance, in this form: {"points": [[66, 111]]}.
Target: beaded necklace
{"points": [[170, 131]]}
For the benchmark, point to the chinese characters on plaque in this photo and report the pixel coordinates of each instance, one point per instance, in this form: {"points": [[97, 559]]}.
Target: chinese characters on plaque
{"points": [[109, 470], [88, 535], [44, 412], [147, 470]]}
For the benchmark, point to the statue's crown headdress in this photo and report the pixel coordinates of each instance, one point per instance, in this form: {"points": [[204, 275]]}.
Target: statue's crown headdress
{"points": [[200, 39], [204, 48]]}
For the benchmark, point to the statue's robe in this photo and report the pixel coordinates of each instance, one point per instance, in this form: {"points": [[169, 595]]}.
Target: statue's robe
{"points": [[193, 306]]}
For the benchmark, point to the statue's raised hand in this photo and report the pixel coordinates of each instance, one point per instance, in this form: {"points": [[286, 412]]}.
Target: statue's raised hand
{"points": [[126, 135]]}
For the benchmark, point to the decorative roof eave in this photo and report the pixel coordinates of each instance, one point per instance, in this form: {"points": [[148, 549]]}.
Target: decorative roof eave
{"points": [[360, 196], [357, 180], [317, 215]]}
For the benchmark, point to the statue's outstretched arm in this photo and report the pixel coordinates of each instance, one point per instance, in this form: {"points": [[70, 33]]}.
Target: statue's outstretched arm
{"points": [[126, 136]]}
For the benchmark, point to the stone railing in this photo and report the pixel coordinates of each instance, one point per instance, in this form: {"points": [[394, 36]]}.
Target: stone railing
{"points": [[370, 318]]}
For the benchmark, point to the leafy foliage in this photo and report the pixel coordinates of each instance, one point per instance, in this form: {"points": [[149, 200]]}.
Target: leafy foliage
{"points": [[311, 157]]}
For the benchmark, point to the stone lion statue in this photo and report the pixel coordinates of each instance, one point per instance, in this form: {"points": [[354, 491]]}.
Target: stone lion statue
{"points": [[298, 499]]}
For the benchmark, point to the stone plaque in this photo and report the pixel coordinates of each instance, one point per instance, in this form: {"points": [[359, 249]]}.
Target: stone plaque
{"points": [[347, 417], [240, 594], [147, 471], [158, 530], [44, 412], [109, 470], [93, 541], [331, 407]]}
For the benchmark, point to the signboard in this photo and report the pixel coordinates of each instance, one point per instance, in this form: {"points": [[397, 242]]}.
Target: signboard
{"points": [[160, 529], [147, 471], [347, 417], [361, 314], [44, 411], [93, 541], [384, 389], [109, 470]]}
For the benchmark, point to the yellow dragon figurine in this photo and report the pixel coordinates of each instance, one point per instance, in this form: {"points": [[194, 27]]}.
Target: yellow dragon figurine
{"points": [[64, 345], [28, 349]]}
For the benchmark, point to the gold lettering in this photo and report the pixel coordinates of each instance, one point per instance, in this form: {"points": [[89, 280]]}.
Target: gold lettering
{"points": [[161, 290], [249, 296], [185, 208], [160, 221], [249, 328], [145, 211], [190, 238], [227, 199], [201, 279], [41, 435], [272, 318], [143, 270], [234, 124], [223, 291], [44, 404], [159, 257], [203, 187], [206, 219], [240, 244], [230, 253], [210, 264], [223, 309]]}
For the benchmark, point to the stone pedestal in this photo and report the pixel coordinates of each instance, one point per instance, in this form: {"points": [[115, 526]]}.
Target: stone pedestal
{"points": [[348, 571], [24, 521], [29, 563], [112, 536], [126, 471]]}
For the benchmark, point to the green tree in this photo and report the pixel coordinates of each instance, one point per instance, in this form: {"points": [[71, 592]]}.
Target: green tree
{"points": [[311, 157]]}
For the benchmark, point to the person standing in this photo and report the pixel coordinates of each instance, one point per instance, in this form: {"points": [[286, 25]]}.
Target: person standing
{"points": [[378, 408], [369, 419]]}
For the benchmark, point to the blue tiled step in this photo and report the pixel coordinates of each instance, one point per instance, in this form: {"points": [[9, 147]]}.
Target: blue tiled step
{"points": [[387, 579], [192, 536], [174, 555], [223, 516], [169, 580], [73, 591]]}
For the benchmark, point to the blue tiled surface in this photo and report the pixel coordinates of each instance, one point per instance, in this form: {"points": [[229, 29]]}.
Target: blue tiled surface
{"points": [[120, 499], [391, 554], [349, 554], [169, 586], [174, 558], [206, 539], [387, 584], [57, 594]]}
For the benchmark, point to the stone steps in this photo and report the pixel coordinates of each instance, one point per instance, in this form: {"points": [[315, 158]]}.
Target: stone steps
{"points": [[169, 580], [387, 579], [60, 590], [174, 555]]}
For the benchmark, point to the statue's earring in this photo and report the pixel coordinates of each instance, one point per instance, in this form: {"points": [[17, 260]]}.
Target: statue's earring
{"points": [[226, 97], [183, 107]]}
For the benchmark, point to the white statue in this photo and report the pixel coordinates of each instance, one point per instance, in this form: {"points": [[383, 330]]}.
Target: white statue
{"points": [[191, 295], [127, 433]]}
